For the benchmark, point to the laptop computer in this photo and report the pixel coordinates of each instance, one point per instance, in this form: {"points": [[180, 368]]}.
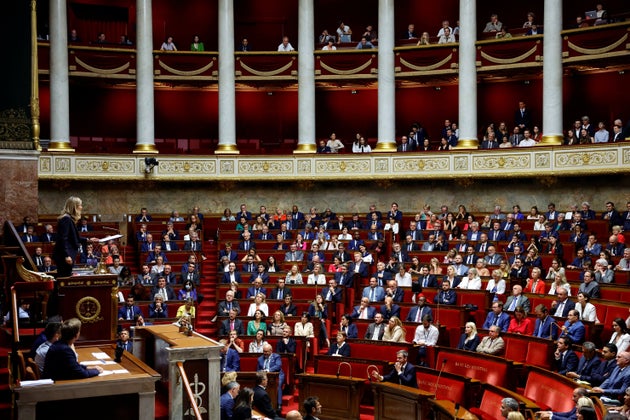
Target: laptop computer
{"points": [[592, 14]]}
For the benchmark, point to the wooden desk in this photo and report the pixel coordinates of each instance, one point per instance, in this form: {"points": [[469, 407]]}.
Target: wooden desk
{"points": [[445, 410], [163, 346], [340, 396], [117, 396], [395, 402]]}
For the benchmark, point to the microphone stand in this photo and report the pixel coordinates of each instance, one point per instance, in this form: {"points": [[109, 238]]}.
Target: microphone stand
{"points": [[437, 382]]}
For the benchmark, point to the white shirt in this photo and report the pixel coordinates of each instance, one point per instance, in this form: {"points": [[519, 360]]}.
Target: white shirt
{"points": [[283, 48], [429, 336], [527, 143]]}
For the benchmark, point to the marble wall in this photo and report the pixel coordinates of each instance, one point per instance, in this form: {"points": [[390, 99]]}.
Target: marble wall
{"points": [[18, 185], [113, 200]]}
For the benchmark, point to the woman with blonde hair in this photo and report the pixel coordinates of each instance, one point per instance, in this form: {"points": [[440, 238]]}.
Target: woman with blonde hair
{"points": [[258, 305], [394, 331], [469, 339], [68, 239], [278, 324], [496, 285], [294, 276], [560, 281], [435, 268]]}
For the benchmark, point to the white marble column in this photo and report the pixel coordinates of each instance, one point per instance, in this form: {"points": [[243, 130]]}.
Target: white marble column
{"points": [[306, 78], [467, 115], [145, 118], [386, 78], [59, 87], [227, 96], [552, 74]]}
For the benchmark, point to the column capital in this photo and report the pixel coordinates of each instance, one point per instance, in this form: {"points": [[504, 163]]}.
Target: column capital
{"points": [[145, 148], [226, 149], [60, 146]]}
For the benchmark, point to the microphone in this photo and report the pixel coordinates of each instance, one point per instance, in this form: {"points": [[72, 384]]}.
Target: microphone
{"points": [[437, 318], [338, 370], [437, 382]]}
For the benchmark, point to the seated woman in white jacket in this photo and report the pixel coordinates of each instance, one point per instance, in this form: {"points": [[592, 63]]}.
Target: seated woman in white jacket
{"points": [[585, 308], [472, 281], [621, 334]]}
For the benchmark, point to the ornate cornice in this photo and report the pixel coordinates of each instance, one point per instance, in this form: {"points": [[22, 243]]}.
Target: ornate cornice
{"points": [[536, 162]]}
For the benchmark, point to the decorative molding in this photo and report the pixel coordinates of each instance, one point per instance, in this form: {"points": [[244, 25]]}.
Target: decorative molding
{"points": [[535, 162]]}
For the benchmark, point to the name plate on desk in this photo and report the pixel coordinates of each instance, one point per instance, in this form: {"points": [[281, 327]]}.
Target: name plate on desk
{"points": [[89, 280]]}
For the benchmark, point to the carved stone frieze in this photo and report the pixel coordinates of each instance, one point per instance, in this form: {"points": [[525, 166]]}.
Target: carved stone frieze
{"points": [[272, 167], [587, 158], [105, 166], [200, 167], [499, 161], [342, 166]]}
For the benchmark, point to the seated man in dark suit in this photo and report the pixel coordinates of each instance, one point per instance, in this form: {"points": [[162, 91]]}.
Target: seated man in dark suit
{"points": [[232, 323], [129, 311], [343, 278], [403, 373], [123, 340], [566, 359], [589, 362], [61, 360]]}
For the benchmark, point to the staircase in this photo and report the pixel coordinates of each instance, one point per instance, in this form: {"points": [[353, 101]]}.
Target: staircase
{"points": [[5, 390], [207, 287]]}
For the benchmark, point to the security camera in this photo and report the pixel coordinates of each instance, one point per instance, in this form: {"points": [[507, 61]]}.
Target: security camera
{"points": [[150, 163]]}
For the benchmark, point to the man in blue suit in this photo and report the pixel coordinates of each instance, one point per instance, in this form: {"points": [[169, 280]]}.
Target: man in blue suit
{"points": [[61, 360], [618, 380], [566, 359], [565, 415], [545, 326], [364, 310], [420, 310], [358, 266], [230, 360], [425, 279], [227, 400], [403, 373], [272, 362], [497, 317], [446, 296], [589, 362], [574, 328], [343, 278], [129, 311], [374, 292]]}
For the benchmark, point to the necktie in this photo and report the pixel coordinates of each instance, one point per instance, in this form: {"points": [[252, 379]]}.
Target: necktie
{"points": [[513, 304], [231, 325], [419, 315], [280, 294], [371, 295], [129, 313], [424, 281], [229, 307], [560, 309], [267, 364]]}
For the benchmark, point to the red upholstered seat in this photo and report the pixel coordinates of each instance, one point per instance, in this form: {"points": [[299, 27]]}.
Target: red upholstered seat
{"points": [[488, 409], [549, 395]]}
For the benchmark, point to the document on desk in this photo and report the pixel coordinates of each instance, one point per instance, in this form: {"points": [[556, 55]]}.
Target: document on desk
{"points": [[100, 355], [112, 372], [98, 362], [37, 382]]}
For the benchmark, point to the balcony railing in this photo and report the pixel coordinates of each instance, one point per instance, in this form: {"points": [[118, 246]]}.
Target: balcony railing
{"points": [[606, 42]]}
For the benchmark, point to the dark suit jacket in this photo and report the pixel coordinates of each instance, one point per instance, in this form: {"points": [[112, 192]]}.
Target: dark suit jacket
{"points": [[68, 241], [343, 351], [363, 268], [232, 255], [170, 294], [387, 314], [355, 314], [225, 327], [446, 298], [568, 363], [471, 345], [413, 312], [337, 295], [230, 361], [587, 367], [237, 277], [61, 364], [369, 333], [568, 305], [223, 308], [347, 280], [407, 377], [524, 119], [548, 327], [262, 402], [274, 293], [122, 312]]}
